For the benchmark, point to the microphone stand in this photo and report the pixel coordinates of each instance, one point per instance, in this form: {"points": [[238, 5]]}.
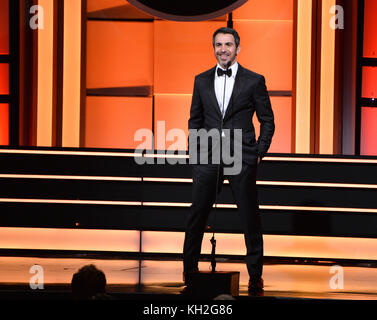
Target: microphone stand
{"points": [[213, 240]]}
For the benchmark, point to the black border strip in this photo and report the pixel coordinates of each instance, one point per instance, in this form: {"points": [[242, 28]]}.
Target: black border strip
{"points": [[25, 149], [4, 98], [369, 62], [368, 102], [4, 58], [103, 255], [359, 57], [280, 93], [14, 70], [119, 19]]}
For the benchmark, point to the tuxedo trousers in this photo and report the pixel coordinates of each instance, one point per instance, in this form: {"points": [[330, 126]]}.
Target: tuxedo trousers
{"points": [[243, 186]]}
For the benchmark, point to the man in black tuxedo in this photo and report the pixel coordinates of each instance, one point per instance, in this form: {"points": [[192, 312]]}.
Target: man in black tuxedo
{"points": [[228, 108]]}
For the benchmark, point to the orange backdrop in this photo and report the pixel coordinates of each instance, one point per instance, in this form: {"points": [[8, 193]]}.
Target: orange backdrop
{"points": [[4, 71], [166, 56], [111, 122], [370, 29], [4, 27], [369, 82], [4, 78], [4, 124], [119, 54], [368, 132]]}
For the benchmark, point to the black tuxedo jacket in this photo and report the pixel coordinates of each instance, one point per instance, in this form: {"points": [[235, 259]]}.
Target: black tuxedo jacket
{"points": [[249, 95]]}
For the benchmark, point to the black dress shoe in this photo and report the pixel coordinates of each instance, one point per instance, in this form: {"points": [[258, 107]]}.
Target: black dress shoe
{"points": [[255, 288]]}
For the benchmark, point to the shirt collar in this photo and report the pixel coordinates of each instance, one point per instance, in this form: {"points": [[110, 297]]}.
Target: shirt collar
{"points": [[234, 68]]}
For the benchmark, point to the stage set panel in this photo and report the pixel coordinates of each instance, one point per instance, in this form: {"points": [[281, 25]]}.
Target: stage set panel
{"points": [[4, 72], [260, 10], [138, 55], [4, 78], [370, 29], [282, 108], [97, 5], [173, 99], [110, 48], [179, 51], [369, 89], [158, 242], [4, 124], [267, 49], [119, 57], [92, 201], [4, 107], [113, 122], [119, 54], [368, 114], [4, 27], [368, 130]]}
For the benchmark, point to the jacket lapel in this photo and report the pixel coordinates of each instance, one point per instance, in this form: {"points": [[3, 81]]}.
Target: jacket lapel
{"points": [[211, 91], [237, 89]]}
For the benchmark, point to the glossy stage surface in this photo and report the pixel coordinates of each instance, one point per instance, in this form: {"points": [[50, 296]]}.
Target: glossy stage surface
{"points": [[129, 277]]}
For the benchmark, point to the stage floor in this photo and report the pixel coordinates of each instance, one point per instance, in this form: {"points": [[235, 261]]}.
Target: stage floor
{"points": [[163, 277]]}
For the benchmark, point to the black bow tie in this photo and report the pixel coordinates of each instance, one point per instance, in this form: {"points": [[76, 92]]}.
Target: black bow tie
{"points": [[221, 72]]}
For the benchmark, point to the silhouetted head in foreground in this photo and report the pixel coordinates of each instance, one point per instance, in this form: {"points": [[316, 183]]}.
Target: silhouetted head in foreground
{"points": [[89, 283]]}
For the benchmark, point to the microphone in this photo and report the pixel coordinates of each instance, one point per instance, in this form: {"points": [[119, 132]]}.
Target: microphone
{"points": [[228, 64]]}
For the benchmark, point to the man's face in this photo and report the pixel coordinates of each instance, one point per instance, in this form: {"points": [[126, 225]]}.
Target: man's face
{"points": [[225, 48]]}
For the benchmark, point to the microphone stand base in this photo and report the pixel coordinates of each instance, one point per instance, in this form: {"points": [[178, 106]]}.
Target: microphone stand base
{"points": [[207, 284]]}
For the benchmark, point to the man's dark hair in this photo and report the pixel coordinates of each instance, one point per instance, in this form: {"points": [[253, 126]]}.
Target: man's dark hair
{"points": [[227, 31], [88, 283]]}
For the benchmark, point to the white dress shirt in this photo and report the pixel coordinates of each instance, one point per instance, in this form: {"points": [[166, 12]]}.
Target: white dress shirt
{"points": [[219, 86]]}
